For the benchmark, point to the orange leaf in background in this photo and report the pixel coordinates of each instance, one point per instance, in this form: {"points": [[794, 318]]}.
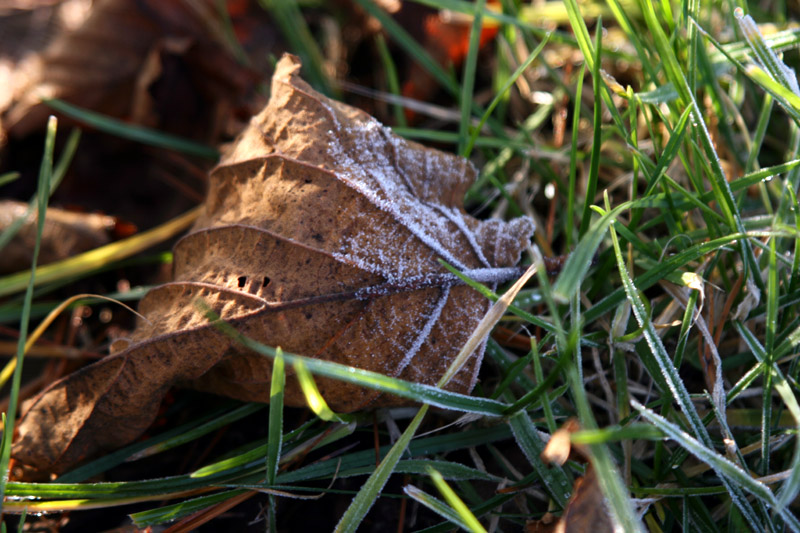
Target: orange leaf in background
{"points": [[448, 43], [322, 234]]}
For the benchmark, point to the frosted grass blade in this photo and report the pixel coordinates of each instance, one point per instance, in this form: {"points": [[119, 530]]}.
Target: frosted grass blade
{"points": [[721, 465], [436, 505], [558, 483]]}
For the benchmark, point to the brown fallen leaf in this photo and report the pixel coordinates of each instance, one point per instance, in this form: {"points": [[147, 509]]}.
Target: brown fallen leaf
{"points": [[586, 509], [161, 63], [322, 235], [65, 233]]}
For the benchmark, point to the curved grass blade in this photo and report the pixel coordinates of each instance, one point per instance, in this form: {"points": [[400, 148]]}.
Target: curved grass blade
{"points": [[721, 465], [458, 505], [436, 505], [580, 260], [131, 131], [93, 259], [670, 374]]}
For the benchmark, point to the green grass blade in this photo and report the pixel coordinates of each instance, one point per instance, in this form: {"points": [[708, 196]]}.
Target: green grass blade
{"points": [[314, 398], [275, 429], [43, 193], [372, 488], [131, 131], [594, 161], [468, 78], [58, 174], [436, 505], [81, 264], [558, 484], [376, 381], [293, 26], [455, 502], [502, 94], [9, 177], [580, 260], [165, 441], [412, 47], [724, 467], [670, 373]]}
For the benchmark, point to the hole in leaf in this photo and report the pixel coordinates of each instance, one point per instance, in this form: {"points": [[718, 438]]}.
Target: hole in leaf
{"points": [[242, 281], [266, 282]]}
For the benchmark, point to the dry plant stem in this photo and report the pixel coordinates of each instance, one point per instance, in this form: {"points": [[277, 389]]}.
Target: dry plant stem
{"points": [[486, 324]]}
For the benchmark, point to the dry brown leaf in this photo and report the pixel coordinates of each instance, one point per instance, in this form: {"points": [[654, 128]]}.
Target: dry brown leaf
{"points": [[586, 509], [322, 235], [65, 233], [160, 63]]}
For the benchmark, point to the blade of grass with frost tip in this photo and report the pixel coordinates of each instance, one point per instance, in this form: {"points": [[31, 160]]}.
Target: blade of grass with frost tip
{"points": [[132, 132], [58, 174], [93, 259], [456, 503], [468, 78], [580, 260], [724, 468], [436, 505], [759, 76], [785, 97], [371, 380], [503, 92], [275, 428], [295, 30], [766, 56], [314, 399], [671, 376], [165, 441], [370, 491], [719, 183], [558, 484], [597, 121], [43, 189]]}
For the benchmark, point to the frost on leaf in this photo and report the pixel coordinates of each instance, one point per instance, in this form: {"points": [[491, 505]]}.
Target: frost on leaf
{"points": [[322, 234]]}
